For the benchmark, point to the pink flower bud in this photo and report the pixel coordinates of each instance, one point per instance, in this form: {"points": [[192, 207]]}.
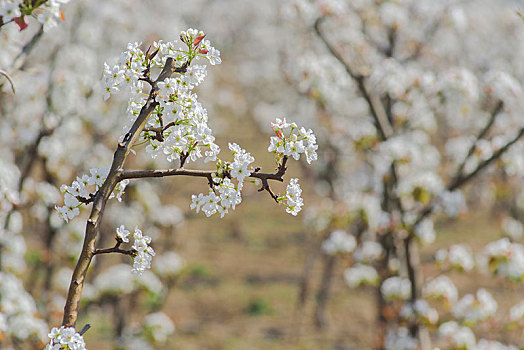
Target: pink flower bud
{"points": [[198, 40]]}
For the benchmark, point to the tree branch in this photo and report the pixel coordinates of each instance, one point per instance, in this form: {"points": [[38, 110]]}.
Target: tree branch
{"points": [[264, 177], [114, 250], [481, 134], [461, 180], [375, 105], [102, 196], [137, 174]]}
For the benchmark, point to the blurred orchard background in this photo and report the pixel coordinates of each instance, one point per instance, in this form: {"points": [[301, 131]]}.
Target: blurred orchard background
{"points": [[411, 231]]}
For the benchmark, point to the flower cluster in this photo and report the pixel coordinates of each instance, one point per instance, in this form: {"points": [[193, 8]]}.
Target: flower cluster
{"points": [[441, 288], [460, 337], [195, 39], [238, 169], [425, 231], [122, 233], [178, 127], [48, 13], [291, 141], [225, 193], [134, 62], [505, 258], [459, 257], [168, 264], [512, 228], [400, 339], [396, 288], [65, 338], [292, 197], [368, 252], [474, 309], [228, 193], [339, 242], [119, 279], [189, 132], [18, 310], [420, 311], [158, 326], [144, 253], [361, 274], [81, 191], [516, 313]]}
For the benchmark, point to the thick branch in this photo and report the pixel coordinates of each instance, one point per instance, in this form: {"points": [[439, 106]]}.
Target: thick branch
{"points": [[97, 211]]}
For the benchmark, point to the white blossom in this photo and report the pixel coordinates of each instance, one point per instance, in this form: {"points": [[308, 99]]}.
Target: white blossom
{"points": [[159, 325], [65, 338], [474, 309], [339, 242], [395, 288], [512, 228], [361, 274], [292, 198], [459, 336], [441, 288]]}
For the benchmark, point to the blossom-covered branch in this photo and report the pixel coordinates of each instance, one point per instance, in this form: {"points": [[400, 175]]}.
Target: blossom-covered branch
{"points": [[103, 194], [173, 123]]}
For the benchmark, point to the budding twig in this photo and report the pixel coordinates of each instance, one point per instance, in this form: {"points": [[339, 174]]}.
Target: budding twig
{"points": [[208, 174]]}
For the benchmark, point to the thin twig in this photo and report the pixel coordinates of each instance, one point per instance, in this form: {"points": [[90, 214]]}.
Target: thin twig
{"points": [[84, 329], [461, 180], [114, 250], [86, 200], [137, 174], [208, 174], [481, 135], [6, 75]]}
